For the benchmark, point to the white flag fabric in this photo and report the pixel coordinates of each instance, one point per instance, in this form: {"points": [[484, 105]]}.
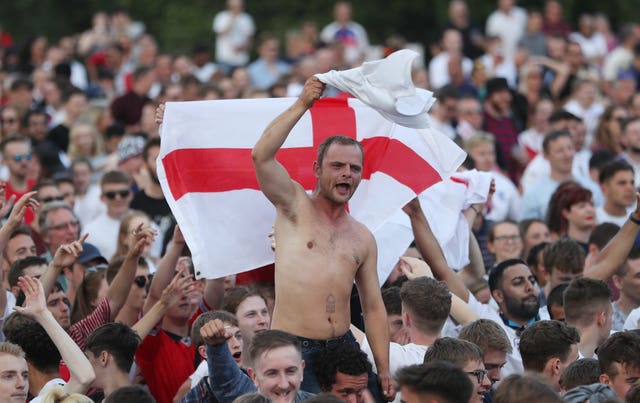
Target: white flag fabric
{"points": [[207, 176]]}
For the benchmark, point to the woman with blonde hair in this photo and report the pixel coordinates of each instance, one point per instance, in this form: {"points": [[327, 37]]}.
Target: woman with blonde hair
{"points": [[126, 240], [609, 130], [58, 395], [85, 141]]}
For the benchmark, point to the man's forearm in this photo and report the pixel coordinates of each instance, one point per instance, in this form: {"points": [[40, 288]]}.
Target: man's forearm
{"points": [[377, 333], [276, 133], [614, 253]]}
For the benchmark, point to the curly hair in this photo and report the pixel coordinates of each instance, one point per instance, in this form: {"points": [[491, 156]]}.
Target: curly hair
{"points": [[39, 349], [344, 358]]}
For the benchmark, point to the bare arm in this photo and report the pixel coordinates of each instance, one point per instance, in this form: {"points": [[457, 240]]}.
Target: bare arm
{"points": [[615, 252], [35, 307], [274, 180], [166, 269], [375, 317], [475, 269], [430, 250], [213, 293], [120, 286], [65, 256], [170, 295]]}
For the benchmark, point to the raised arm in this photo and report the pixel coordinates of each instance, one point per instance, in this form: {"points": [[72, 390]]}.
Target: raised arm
{"points": [[274, 180], [166, 269], [430, 250], [615, 252], [65, 256], [35, 307], [121, 284], [375, 317], [170, 295]]}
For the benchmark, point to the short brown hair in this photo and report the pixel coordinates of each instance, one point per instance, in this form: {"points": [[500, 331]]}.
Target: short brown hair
{"points": [[583, 299], [342, 140], [236, 296], [525, 388], [428, 301], [456, 351], [564, 255], [203, 318], [544, 340], [486, 334], [270, 340]]}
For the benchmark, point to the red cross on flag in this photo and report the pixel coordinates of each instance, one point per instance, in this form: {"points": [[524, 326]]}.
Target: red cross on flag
{"points": [[207, 175]]}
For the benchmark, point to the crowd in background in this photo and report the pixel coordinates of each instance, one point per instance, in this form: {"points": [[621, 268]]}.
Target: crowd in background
{"points": [[550, 107]]}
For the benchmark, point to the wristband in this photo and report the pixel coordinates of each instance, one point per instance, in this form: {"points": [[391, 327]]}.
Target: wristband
{"points": [[633, 219]]}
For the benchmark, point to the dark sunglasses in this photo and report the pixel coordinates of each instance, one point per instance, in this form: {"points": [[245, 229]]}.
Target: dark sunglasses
{"points": [[112, 194], [52, 198], [141, 281], [20, 157]]}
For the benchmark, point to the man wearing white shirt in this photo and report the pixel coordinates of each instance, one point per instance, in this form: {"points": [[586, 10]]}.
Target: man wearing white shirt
{"points": [[234, 29], [508, 22], [438, 67]]}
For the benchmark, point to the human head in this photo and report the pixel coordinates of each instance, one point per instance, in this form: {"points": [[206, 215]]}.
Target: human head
{"points": [[482, 150], [494, 343], [32, 266], [559, 150], [584, 371], [342, 370], [393, 306], [469, 109], [67, 190], [58, 304], [555, 302], [40, 351], [110, 349], [129, 222], [616, 181], [343, 171], [564, 261], [9, 121], [533, 231], [434, 380], [513, 287], [425, 304], [14, 374], [577, 210], [84, 140], [19, 245], [36, 124], [587, 302], [608, 133], [466, 356], [16, 154], [81, 171], [535, 261], [116, 192], [92, 289], [631, 133], [504, 240], [619, 360], [276, 365], [130, 394], [625, 279], [234, 342], [526, 388], [150, 154], [58, 225], [548, 347], [250, 309], [498, 94]]}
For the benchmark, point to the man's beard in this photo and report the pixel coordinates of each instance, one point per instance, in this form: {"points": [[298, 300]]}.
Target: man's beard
{"points": [[521, 310]]}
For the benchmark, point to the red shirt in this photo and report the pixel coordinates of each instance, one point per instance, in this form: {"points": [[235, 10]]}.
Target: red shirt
{"points": [[29, 216], [165, 364]]}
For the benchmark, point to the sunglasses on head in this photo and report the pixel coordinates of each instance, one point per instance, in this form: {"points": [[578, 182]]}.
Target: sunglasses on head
{"points": [[141, 281], [111, 195], [20, 157]]}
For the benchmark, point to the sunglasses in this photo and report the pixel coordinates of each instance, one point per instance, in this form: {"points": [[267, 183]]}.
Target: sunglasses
{"points": [[141, 281], [52, 198], [20, 157], [479, 374], [111, 195]]}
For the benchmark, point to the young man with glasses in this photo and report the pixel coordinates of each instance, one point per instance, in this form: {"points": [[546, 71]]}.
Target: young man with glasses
{"points": [[116, 195], [16, 156]]}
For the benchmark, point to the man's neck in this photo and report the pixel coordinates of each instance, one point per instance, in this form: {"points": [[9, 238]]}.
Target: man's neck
{"points": [[615, 210], [633, 155], [626, 304], [588, 340], [176, 327], [422, 339], [19, 184], [560, 176], [115, 216], [114, 380], [246, 345], [38, 379], [579, 234], [333, 210], [128, 315]]}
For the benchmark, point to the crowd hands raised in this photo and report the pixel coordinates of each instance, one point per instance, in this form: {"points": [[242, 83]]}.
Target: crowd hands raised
{"points": [[101, 298]]}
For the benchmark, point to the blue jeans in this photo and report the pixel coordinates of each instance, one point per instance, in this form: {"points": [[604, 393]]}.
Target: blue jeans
{"points": [[309, 349]]}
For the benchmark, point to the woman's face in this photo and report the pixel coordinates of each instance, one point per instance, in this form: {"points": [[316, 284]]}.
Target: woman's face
{"points": [[83, 140]]}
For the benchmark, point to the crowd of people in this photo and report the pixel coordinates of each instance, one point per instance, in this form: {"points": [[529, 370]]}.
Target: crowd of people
{"points": [[101, 299]]}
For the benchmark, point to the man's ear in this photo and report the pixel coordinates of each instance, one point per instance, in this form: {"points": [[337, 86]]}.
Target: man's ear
{"points": [[104, 358], [316, 169], [604, 379], [252, 375], [498, 296], [552, 367]]}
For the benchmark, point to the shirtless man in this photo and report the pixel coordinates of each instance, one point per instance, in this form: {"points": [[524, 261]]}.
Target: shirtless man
{"points": [[321, 248]]}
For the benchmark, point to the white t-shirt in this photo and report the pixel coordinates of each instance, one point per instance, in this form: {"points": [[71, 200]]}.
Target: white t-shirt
{"points": [[505, 202], [103, 234], [509, 27], [632, 320], [399, 356], [602, 216], [238, 36], [199, 373]]}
